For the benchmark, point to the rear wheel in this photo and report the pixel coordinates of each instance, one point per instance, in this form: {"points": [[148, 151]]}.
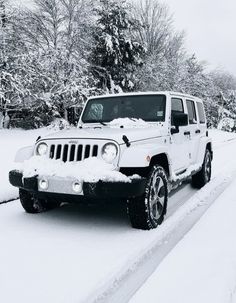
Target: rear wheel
{"points": [[148, 211], [33, 205], [204, 175]]}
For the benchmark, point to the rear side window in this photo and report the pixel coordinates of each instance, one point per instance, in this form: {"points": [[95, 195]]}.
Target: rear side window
{"points": [[177, 105], [192, 117], [201, 113]]}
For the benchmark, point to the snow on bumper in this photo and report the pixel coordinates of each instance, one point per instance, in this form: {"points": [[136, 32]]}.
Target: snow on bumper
{"points": [[66, 186]]}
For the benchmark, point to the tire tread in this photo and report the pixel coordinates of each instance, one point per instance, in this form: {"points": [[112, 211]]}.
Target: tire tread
{"points": [[138, 208]]}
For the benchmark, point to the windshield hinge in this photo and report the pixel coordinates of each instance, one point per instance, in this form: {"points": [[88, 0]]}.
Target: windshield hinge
{"points": [[126, 140]]}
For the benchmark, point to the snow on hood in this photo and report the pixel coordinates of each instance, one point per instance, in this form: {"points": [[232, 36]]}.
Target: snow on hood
{"points": [[115, 130], [90, 170], [128, 122]]}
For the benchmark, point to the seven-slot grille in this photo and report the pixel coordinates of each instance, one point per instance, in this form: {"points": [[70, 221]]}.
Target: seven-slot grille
{"points": [[72, 152]]}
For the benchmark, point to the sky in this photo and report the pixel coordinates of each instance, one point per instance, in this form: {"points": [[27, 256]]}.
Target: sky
{"points": [[210, 27]]}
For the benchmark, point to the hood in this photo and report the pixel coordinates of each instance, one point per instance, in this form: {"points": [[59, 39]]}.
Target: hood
{"points": [[107, 133]]}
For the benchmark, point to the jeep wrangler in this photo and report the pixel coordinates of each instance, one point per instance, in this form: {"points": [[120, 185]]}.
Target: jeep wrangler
{"points": [[165, 143]]}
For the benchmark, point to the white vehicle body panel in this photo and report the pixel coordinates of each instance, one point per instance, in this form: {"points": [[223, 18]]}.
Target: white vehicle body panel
{"points": [[142, 153]]}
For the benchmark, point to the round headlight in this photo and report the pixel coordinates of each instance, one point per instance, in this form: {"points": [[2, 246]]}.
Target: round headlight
{"points": [[41, 149], [109, 152]]}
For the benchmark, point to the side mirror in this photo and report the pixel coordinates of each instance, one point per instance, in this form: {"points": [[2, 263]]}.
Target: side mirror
{"points": [[178, 119]]}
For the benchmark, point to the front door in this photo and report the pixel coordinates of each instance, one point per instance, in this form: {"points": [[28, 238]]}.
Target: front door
{"points": [[180, 142]]}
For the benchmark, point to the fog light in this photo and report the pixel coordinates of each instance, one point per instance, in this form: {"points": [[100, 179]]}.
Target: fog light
{"points": [[43, 184], [77, 187]]}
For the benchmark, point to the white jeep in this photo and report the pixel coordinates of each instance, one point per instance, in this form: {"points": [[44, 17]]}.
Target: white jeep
{"points": [[149, 143]]}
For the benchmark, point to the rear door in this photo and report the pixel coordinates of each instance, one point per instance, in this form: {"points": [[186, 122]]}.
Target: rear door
{"points": [[194, 130], [201, 118], [180, 142]]}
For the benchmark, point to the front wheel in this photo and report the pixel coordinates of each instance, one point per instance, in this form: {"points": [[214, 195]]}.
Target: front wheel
{"points": [[148, 211], [33, 205], [204, 175]]}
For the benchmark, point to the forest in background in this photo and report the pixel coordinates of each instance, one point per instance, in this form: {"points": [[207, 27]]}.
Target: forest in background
{"points": [[58, 53]]}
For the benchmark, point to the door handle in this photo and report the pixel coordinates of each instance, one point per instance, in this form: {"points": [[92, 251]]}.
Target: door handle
{"points": [[197, 131], [187, 133]]}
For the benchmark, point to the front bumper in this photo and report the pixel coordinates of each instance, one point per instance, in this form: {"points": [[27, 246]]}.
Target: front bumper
{"points": [[63, 186]]}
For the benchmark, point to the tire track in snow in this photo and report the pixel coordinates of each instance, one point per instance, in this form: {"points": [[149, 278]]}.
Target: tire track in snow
{"points": [[121, 287]]}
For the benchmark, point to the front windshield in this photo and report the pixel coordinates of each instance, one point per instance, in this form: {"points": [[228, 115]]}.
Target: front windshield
{"points": [[145, 107]]}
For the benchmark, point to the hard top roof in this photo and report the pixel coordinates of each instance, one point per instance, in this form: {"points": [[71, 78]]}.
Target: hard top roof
{"points": [[169, 93]]}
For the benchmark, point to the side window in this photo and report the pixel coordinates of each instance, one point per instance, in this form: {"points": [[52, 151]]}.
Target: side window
{"points": [[201, 113], [192, 117], [176, 107]]}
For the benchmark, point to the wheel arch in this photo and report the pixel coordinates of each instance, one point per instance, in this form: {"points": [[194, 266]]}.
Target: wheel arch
{"points": [[209, 147], [157, 158], [161, 159], [204, 144]]}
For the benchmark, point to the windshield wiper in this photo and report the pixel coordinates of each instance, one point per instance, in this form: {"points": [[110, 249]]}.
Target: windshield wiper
{"points": [[95, 121], [104, 124]]}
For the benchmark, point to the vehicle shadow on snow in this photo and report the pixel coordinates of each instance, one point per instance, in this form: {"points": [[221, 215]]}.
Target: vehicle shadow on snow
{"points": [[101, 216]]}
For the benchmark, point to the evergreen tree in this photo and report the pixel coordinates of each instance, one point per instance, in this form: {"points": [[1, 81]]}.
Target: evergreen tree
{"points": [[194, 79], [115, 54]]}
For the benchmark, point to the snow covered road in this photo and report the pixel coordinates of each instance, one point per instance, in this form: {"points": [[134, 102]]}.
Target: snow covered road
{"points": [[79, 254], [202, 267], [91, 254], [10, 142]]}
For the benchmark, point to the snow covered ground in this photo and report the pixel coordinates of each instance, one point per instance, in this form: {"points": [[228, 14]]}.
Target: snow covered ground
{"points": [[202, 267], [10, 142], [91, 254]]}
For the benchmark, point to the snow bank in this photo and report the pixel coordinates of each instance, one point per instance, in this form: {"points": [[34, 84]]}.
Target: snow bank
{"points": [[220, 137], [10, 141], [138, 268], [59, 124], [202, 267], [89, 170]]}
